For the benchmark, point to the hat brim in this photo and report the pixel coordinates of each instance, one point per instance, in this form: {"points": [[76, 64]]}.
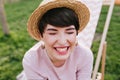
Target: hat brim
{"points": [[80, 9]]}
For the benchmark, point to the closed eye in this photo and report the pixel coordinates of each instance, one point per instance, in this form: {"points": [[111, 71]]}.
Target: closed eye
{"points": [[70, 32], [52, 33]]}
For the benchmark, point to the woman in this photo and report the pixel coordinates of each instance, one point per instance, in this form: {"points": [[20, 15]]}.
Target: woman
{"points": [[57, 23]]}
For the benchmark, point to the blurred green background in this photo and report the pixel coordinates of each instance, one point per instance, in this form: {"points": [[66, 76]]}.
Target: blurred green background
{"points": [[14, 46]]}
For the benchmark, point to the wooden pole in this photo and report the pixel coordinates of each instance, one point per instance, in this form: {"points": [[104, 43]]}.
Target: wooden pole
{"points": [[103, 39], [3, 18], [103, 60]]}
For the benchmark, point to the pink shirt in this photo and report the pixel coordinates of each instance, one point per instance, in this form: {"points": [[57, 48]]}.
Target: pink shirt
{"points": [[37, 65]]}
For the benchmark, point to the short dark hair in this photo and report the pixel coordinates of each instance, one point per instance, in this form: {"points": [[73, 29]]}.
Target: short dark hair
{"points": [[59, 17]]}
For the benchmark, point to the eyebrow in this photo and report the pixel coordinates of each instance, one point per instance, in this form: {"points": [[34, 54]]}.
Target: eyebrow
{"points": [[51, 29], [70, 29]]}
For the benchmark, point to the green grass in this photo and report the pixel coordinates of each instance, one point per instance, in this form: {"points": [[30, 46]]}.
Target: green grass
{"points": [[14, 46], [112, 71]]}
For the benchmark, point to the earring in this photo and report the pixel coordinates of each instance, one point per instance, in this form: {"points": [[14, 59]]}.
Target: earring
{"points": [[42, 45]]}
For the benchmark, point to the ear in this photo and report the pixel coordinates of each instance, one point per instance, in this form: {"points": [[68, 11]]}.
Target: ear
{"points": [[42, 42], [41, 37]]}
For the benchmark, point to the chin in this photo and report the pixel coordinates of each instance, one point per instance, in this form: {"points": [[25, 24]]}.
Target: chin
{"points": [[63, 57]]}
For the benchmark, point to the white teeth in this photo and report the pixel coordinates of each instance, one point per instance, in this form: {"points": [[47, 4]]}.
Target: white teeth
{"points": [[61, 49]]}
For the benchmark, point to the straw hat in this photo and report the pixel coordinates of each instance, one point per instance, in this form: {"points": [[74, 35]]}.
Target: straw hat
{"points": [[80, 9]]}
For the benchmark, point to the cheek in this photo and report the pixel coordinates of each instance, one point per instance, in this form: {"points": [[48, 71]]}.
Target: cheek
{"points": [[72, 39], [49, 41]]}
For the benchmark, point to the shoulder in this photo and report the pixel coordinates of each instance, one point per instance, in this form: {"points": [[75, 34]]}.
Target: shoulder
{"points": [[33, 54], [83, 50], [82, 54], [34, 50]]}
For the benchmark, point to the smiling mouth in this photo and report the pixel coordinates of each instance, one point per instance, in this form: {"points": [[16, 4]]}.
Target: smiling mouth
{"points": [[61, 50]]}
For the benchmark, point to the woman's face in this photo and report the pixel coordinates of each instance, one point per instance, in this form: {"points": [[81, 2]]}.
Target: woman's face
{"points": [[59, 42]]}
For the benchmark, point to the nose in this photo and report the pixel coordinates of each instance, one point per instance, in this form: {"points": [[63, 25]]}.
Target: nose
{"points": [[62, 40]]}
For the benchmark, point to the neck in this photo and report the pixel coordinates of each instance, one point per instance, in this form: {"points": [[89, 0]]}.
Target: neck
{"points": [[58, 63]]}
